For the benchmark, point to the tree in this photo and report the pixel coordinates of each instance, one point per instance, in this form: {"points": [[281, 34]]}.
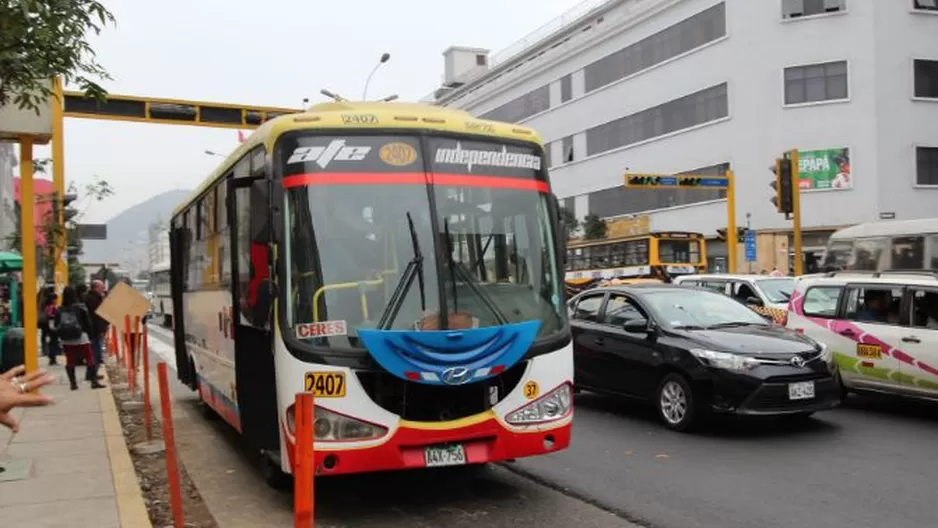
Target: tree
{"points": [[75, 209], [594, 227], [568, 218], [43, 39]]}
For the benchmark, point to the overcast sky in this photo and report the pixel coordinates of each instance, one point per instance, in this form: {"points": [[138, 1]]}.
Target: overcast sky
{"points": [[269, 53]]}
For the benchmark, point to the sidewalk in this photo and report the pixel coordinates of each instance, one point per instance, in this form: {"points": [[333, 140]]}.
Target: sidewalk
{"points": [[69, 465]]}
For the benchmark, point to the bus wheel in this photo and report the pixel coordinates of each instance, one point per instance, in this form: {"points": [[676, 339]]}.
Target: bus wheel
{"points": [[273, 475]]}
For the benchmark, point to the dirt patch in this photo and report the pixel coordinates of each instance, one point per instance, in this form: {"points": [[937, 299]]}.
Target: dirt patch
{"points": [[151, 468]]}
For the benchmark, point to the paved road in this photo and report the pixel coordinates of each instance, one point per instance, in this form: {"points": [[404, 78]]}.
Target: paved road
{"points": [[870, 464], [235, 493]]}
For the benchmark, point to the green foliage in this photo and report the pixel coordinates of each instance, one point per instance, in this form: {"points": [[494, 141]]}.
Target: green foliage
{"points": [[43, 39], [594, 227], [76, 273], [568, 218]]}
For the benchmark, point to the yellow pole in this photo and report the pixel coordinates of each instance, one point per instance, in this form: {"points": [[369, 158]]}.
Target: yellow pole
{"points": [[796, 213], [731, 221], [28, 238], [58, 180]]}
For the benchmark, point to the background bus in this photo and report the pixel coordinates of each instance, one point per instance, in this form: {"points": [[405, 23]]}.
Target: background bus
{"points": [[652, 255], [161, 301], [432, 331], [886, 245]]}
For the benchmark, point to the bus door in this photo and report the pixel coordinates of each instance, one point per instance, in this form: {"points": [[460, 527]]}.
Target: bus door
{"points": [[251, 294], [178, 245]]}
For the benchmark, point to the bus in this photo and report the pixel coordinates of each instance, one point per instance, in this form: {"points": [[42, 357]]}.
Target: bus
{"points": [[162, 301], [906, 245], [655, 255], [399, 261]]}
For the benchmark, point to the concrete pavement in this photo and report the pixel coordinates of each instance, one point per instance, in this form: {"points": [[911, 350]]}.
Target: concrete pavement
{"points": [[69, 464]]}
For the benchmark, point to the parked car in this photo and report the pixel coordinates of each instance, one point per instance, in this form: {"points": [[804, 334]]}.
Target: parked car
{"points": [[765, 294], [882, 328], [693, 352]]}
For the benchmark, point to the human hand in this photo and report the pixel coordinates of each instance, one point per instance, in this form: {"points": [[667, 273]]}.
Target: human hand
{"points": [[15, 392]]}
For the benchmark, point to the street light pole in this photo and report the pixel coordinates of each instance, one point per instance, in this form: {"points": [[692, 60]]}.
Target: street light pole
{"points": [[384, 58]]}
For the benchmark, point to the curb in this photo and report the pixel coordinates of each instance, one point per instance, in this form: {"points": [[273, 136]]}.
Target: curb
{"points": [[131, 508]]}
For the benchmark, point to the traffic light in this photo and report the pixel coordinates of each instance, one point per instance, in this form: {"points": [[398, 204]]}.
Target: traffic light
{"points": [[740, 234], [782, 185], [643, 180]]}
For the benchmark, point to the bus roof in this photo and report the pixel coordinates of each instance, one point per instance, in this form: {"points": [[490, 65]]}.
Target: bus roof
{"points": [[365, 115], [888, 228]]}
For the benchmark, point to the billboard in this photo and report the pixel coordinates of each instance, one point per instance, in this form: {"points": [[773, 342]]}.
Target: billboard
{"points": [[826, 169]]}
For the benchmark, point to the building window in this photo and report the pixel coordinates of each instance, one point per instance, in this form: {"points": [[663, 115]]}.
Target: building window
{"points": [[816, 82], [803, 8], [566, 88], [689, 34], [523, 107], [480, 60], [569, 204], [926, 78], [566, 149], [925, 5], [926, 163], [691, 110], [620, 200]]}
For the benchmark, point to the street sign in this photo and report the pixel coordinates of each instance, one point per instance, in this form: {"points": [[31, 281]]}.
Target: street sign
{"points": [[683, 181], [92, 231], [749, 240]]}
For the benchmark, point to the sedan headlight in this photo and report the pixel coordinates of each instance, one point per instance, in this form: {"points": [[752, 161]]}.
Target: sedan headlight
{"points": [[724, 360], [826, 355]]}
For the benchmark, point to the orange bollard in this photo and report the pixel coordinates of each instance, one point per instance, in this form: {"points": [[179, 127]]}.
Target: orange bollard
{"points": [[304, 462], [147, 411], [129, 354], [172, 467], [138, 338]]}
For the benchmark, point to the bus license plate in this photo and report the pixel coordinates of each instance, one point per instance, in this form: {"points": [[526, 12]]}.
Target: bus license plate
{"points": [[801, 391], [325, 384], [450, 455]]}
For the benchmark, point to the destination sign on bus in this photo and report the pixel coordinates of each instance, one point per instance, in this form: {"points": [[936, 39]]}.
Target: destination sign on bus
{"points": [[321, 329], [489, 158]]}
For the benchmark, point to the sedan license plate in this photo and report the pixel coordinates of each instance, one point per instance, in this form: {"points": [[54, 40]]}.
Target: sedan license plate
{"points": [[801, 391], [449, 455]]}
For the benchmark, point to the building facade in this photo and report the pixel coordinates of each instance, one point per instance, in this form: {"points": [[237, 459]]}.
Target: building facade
{"points": [[158, 247], [7, 193], [702, 86]]}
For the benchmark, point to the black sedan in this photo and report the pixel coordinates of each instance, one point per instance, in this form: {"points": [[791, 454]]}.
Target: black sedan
{"points": [[693, 352]]}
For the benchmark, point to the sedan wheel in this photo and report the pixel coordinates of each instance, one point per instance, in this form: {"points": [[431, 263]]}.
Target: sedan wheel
{"points": [[675, 403]]}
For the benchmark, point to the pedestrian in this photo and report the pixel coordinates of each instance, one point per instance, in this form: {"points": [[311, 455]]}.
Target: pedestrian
{"points": [[51, 347], [73, 323], [93, 300], [776, 272]]}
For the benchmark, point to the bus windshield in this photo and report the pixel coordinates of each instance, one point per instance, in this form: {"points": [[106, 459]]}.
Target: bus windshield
{"points": [[671, 251], [380, 234]]}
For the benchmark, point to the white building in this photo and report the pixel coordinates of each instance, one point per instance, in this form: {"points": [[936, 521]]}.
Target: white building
{"points": [[158, 247], [8, 164], [667, 86]]}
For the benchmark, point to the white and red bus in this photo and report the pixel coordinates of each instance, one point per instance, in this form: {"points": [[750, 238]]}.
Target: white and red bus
{"points": [[399, 261]]}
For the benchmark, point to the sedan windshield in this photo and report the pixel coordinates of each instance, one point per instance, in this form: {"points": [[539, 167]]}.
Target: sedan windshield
{"points": [[369, 247], [777, 290], [700, 309]]}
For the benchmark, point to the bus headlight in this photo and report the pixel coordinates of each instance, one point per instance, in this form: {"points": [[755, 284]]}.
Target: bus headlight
{"points": [[552, 406], [330, 426]]}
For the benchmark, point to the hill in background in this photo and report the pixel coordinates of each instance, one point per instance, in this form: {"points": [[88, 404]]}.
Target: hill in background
{"points": [[127, 241]]}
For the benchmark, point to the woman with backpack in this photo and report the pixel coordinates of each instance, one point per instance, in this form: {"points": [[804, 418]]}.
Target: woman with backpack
{"points": [[73, 325]]}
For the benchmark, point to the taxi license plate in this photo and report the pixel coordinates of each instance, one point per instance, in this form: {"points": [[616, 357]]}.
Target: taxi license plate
{"points": [[450, 455], [325, 384], [801, 391]]}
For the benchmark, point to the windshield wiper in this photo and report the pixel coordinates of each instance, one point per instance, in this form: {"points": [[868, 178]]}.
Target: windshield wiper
{"points": [[470, 280], [733, 324], [413, 270]]}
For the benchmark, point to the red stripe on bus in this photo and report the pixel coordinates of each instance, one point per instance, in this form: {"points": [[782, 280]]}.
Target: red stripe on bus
{"points": [[418, 178]]}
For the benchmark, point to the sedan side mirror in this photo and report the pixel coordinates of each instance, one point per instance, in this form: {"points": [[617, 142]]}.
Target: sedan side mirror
{"points": [[754, 301], [635, 326]]}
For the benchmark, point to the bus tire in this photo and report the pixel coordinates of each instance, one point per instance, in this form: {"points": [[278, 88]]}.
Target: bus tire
{"points": [[273, 475]]}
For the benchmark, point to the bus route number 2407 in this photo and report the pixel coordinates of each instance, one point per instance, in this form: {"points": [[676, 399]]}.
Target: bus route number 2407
{"points": [[325, 384]]}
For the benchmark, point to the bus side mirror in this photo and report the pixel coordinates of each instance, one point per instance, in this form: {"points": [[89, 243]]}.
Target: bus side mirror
{"points": [[562, 233]]}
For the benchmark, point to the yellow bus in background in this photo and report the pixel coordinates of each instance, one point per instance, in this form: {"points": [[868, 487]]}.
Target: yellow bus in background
{"points": [[656, 255]]}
